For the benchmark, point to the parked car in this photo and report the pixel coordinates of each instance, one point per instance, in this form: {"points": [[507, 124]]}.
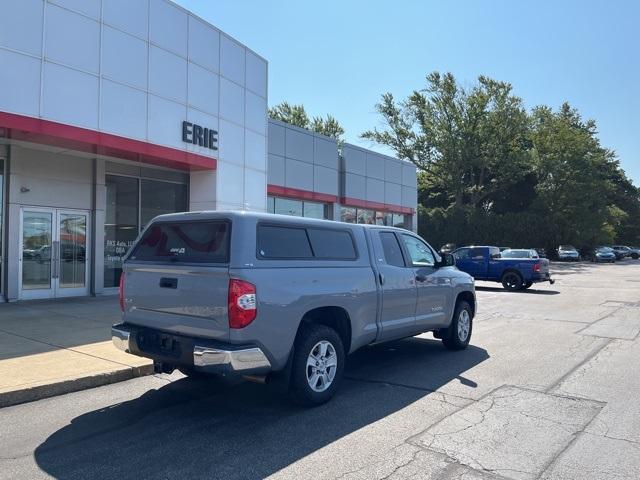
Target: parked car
{"points": [[487, 263], [542, 252], [626, 251], [447, 248], [568, 253], [254, 294], [519, 253], [603, 254]]}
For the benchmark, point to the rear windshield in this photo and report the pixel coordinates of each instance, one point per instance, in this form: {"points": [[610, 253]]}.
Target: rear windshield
{"points": [[280, 242], [516, 254], [185, 242]]}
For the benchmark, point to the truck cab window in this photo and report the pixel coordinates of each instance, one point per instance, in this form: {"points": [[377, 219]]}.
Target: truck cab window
{"points": [[391, 249], [421, 255]]}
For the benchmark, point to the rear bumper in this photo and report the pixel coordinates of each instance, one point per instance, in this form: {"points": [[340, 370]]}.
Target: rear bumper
{"points": [[543, 277], [199, 353]]}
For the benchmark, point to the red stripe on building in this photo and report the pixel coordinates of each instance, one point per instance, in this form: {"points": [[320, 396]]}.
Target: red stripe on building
{"points": [[45, 132], [300, 194], [381, 207]]}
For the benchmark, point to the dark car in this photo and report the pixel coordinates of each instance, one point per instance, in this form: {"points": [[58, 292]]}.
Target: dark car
{"points": [[626, 251], [604, 255]]}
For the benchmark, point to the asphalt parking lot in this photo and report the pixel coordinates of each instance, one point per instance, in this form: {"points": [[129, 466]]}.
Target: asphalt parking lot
{"points": [[549, 389]]}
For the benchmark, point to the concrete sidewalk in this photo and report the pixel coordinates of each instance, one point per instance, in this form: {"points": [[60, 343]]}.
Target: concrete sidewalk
{"points": [[51, 347]]}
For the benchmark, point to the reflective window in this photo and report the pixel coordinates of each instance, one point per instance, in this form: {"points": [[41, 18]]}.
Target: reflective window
{"points": [[283, 242], [315, 210], [391, 249], [131, 203], [188, 242], [286, 206], [366, 217], [271, 205], [461, 254], [332, 244], [120, 226], [157, 198], [421, 255], [37, 233], [348, 214], [399, 220]]}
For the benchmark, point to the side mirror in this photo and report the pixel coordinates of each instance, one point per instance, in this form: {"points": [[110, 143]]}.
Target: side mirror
{"points": [[447, 260]]}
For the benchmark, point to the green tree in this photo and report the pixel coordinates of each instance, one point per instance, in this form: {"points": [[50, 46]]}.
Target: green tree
{"points": [[471, 143], [297, 115]]}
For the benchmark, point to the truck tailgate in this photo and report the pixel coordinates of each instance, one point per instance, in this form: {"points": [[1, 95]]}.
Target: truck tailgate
{"points": [[182, 299]]}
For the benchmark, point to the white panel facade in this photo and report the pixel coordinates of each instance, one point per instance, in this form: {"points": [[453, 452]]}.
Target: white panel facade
{"points": [[90, 8], [20, 74], [139, 69], [131, 17], [232, 60], [123, 109], [167, 74], [72, 39], [204, 45], [256, 75], [231, 101], [124, 58], [70, 96], [231, 143], [21, 25], [202, 83], [168, 26], [165, 116]]}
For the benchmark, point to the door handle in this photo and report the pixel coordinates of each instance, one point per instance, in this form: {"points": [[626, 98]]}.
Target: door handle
{"points": [[54, 257], [421, 278], [381, 278]]}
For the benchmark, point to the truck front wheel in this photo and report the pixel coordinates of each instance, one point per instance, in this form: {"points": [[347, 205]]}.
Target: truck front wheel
{"points": [[458, 335], [317, 366], [512, 281]]}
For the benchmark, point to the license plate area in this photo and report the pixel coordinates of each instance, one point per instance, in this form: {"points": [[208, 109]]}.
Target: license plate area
{"points": [[160, 343]]}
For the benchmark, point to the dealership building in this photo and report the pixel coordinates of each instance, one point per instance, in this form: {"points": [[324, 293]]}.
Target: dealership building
{"points": [[113, 112]]}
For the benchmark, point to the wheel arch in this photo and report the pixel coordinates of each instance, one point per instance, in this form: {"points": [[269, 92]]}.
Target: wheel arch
{"points": [[468, 297], [333, 317]]}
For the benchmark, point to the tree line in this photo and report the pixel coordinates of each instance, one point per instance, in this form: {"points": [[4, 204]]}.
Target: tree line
{"points": [[490, 171]]}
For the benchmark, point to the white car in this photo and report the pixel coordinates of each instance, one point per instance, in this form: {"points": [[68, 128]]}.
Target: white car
{"points": [[568, 253]]}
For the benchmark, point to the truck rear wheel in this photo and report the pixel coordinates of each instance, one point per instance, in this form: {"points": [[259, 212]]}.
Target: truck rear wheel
{"points": [[317, 366], [512, 281], [458, 335]]}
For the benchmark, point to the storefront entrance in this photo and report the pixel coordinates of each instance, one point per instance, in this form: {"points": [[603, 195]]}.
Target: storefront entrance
{"points": [[54, 251]]}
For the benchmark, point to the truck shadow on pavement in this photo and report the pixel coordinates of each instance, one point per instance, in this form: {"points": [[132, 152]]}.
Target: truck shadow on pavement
{"points": [[529, 291], [211, 429]]}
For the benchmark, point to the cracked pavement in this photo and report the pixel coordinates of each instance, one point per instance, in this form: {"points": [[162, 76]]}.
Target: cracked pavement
{"points": [[548, 390]]}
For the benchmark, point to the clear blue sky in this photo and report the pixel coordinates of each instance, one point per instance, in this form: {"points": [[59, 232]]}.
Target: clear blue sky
{"points": [[338, 56]]}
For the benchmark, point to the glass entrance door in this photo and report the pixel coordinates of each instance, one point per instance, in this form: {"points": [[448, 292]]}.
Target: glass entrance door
{"points": [[54, 259]]}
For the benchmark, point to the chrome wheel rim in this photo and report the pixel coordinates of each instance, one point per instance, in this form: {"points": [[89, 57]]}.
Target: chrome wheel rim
{"points": [[322, 364], [464, 325]]}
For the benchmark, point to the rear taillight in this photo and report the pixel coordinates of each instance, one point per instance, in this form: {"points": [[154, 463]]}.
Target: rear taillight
{"points": [[121, 291], [242, 303], [536, 267]]}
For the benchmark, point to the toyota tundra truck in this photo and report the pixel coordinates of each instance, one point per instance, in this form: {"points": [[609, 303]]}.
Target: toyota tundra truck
{"points": [[261, 295]]}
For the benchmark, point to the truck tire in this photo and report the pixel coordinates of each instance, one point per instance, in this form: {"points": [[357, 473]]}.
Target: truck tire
{"points": [[458, 335], [317, 366], [512, 281]]}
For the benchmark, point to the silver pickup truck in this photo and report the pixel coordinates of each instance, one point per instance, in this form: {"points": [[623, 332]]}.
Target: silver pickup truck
{"points": [[261, 295]]}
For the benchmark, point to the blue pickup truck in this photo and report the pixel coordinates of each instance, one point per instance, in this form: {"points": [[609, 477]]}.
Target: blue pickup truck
{"points": [[487, 263]]}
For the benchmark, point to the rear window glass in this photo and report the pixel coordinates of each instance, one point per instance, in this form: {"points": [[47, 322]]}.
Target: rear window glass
{"points": [[331, 244], [283, 242], [188, 242]]}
